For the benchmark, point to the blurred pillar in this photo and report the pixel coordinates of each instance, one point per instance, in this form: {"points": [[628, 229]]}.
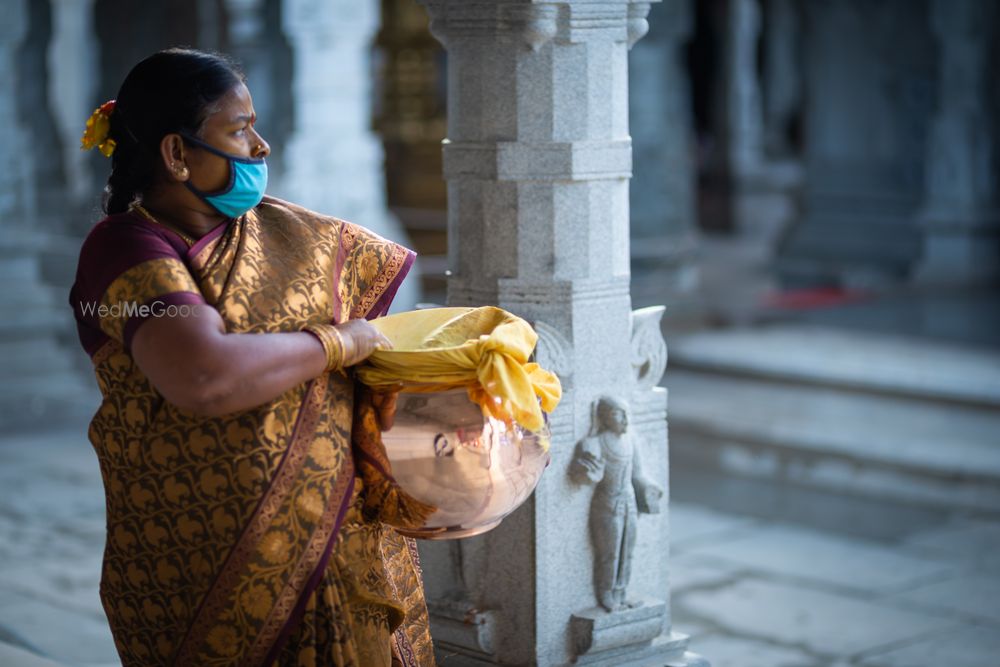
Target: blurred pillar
{"points": [[538, 160], [662, 209], [73, 73], [866, 124], [333, 161], [961, 213], [411, 122], [782, 78], [38, 374], [258, 47], [736, 155], [743, 127], [16, 195]]}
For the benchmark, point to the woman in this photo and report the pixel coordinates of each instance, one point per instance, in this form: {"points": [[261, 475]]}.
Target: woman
{"points": [[222, 325]]}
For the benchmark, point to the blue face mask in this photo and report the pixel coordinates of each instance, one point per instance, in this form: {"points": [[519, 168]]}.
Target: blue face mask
{"points": [[247, 182]]}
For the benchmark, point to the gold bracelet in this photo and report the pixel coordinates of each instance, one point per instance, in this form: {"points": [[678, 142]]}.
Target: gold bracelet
{"points": [[333, 344]]}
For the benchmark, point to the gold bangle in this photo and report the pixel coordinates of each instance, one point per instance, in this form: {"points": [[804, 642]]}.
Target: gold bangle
{"points": [[333, 344]]}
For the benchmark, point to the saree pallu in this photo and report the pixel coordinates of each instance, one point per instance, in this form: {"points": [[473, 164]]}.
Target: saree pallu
{"points": [[240, 540]]}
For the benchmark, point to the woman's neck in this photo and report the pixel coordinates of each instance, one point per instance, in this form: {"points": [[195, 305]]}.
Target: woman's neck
{"points": [[174, 213]]}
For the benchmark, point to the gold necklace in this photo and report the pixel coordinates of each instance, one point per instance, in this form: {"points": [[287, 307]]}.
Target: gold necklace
{"points": [[149, 216]]}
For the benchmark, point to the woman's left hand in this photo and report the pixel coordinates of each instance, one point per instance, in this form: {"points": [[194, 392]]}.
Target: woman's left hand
{"points": [[385, 407]]}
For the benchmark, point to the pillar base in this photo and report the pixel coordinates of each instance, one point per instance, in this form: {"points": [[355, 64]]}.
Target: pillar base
{"points": [[961, 255]]}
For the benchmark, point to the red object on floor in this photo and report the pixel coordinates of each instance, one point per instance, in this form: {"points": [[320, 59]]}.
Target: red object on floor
{"points": [[814, 297]]}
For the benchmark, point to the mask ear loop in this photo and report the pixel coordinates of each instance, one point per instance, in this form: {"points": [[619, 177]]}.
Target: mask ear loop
{"points": [[232, 170], [211, 149]]}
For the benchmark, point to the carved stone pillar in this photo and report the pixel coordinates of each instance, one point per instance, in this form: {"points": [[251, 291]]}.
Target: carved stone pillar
{"points": [[332, 161], [866, 126], [961, 211], [662, 207], [538, 160]]}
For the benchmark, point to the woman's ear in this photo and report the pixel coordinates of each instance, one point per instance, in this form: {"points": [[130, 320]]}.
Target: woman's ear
{"points": [[172, 155]]}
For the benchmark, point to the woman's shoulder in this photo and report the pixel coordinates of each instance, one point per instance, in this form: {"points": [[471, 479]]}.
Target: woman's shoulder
{"points": [[119, 242], [129, 231]]}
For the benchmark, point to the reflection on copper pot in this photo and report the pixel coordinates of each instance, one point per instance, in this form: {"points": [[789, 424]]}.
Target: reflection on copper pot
{"points": [[473, 468]]}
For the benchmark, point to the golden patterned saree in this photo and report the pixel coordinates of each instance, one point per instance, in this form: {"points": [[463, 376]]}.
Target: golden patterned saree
{"points": [[241, 540]]}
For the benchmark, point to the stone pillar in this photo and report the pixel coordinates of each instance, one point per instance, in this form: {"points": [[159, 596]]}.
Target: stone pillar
{"points": [[48, 389], [538, 160], [865, 134], [72, 64], [662, 193], [16, 196], [333, 161], [735, 162], [961, 212], [782, 76], [743, 127]]}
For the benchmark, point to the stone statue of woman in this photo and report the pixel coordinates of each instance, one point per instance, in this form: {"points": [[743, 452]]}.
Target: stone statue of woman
{"points": [[610, 459]]}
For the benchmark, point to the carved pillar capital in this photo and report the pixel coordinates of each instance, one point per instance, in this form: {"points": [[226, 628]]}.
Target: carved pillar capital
{"points": [[533, 24]]}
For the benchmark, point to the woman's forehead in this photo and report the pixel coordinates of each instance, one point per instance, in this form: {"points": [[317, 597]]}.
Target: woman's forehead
{"points": [[234, 106]]}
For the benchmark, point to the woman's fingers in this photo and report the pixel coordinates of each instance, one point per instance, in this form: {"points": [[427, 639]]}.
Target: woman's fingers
{"points": [[385, 407], [364, 340]]}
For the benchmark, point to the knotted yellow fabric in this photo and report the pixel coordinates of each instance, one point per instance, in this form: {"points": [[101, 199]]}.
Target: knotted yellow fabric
{"points": [[483, 349]]}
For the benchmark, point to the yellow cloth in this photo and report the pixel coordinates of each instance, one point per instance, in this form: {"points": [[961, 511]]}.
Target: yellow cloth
{"points": [[483, 349]]}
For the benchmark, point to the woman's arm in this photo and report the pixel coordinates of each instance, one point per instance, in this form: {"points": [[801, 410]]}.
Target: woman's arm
{"points": [[196, 365]]}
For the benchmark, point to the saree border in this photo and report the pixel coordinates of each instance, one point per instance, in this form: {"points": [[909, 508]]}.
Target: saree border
{"points": [[384, 288], [204, 246], [217, 597], [401, 643], [294, 592]]}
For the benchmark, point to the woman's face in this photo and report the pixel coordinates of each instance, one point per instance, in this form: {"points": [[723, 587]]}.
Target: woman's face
{"points": [[228, 128]]}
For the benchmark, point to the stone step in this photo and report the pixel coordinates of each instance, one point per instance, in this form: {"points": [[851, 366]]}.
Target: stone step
{"points": [[859, 361], [30, 322], [32, 357], [19, 269], [65, 397], [835, 439]]}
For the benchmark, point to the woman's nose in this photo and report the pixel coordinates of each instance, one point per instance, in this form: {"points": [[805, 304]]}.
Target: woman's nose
{"points": [[261, 147]]}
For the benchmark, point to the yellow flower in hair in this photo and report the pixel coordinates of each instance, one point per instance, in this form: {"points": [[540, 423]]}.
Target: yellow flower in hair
{"points": [[98, 127]]}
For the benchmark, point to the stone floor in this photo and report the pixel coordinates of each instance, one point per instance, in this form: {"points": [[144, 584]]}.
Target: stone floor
{"points": [[758, 593], [752, 592]]}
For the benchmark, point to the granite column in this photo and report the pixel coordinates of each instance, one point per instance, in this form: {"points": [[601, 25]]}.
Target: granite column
{"points": [[538, 160], [961, 211]]}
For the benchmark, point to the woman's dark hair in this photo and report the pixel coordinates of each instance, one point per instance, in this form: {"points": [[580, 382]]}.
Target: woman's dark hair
{"points": [[170, 91]]}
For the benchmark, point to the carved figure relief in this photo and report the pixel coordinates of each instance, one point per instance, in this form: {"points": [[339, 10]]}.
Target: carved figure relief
{"points": [[610, 459]]}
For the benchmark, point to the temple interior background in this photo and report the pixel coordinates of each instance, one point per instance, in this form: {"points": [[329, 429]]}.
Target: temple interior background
{"points": [[814, 199]]}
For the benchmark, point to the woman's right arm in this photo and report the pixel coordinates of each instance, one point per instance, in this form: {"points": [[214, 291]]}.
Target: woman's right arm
{"points": [[196, 365]]}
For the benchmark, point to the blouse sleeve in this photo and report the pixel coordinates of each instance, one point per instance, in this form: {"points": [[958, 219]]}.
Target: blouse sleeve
{"points": [[128, 273]]}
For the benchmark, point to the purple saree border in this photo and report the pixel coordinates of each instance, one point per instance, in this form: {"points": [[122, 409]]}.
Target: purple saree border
{"points": [[213, 234], [231, 556], [314, 580], [385, 300]]}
